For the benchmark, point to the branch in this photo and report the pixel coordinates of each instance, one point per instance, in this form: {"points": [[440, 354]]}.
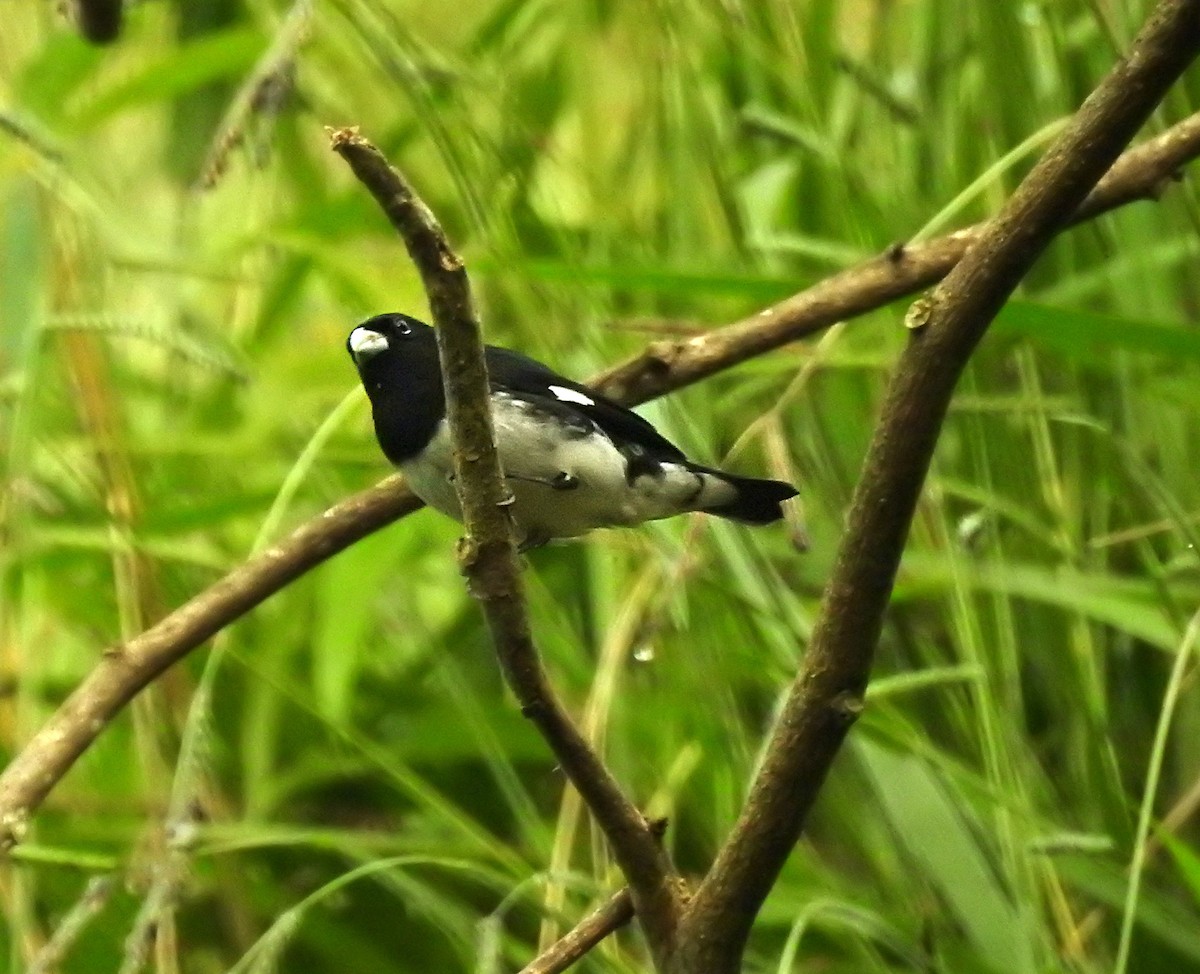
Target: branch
{"points": [[488, 554], [827, 695], [1140, 174], [605, 919], [128, 668]]}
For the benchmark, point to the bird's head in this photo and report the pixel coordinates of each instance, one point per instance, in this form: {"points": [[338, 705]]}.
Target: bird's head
{"points": [[389, 337], [397, 360]]}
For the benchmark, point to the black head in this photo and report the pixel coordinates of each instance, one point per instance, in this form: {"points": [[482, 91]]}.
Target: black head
{"points": [[396, 357], [388, 337]]}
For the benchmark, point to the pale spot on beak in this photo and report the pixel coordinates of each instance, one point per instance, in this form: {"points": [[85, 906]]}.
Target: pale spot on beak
{"points": [[366, 343]]}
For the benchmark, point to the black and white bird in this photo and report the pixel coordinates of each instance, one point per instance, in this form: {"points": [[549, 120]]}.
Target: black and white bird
{"points": [[574, 460]]}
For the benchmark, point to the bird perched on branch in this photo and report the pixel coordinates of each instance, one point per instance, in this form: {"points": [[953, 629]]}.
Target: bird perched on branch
{"points": [[573, 459]]}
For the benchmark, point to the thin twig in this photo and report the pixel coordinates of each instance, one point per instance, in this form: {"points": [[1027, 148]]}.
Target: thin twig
{"points": [[95, 897], [827, 695], [604, 920], [126, 669], [488, 554]]}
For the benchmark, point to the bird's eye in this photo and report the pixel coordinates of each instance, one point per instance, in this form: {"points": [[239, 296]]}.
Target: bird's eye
{"points": [[402, 327]]}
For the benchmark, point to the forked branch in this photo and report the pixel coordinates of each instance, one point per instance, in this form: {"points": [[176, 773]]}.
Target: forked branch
{"points": [[128, 668], [946, 328], [488, 554]]}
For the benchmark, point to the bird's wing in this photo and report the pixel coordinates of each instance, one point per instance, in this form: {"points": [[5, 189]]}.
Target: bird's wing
{"points": [[520, 374]]}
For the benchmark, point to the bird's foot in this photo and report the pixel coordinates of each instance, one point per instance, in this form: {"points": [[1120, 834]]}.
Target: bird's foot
{"points": [[560, 481], [532, 540]]}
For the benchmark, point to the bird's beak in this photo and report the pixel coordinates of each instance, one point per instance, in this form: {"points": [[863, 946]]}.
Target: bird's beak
{"points": [[365, 344]]}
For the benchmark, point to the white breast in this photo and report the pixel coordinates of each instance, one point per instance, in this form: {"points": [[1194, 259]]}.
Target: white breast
{"points": [[564, 483]]}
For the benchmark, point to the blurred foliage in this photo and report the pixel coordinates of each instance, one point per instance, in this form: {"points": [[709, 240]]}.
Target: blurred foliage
{"points": [[339, 782]]}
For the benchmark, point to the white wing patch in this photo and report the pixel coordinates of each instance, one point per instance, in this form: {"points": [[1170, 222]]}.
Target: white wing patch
{"points": [[564, 394]]}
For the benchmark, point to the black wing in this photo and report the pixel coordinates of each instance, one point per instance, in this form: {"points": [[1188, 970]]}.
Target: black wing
{"points": [[512, 370]]}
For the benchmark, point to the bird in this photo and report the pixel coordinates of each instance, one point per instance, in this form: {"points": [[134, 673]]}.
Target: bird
{"points": [[573, 459]]}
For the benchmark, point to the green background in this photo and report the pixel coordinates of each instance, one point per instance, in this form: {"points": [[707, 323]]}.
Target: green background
{"points": [[339, 782]]}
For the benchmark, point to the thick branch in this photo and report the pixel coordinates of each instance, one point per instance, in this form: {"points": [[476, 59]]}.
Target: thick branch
{"points": [[127, 669], [828, 692], [488, 554]]}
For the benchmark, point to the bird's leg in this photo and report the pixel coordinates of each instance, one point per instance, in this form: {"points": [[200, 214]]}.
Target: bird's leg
{"points": [[560, 481], [531, 541]]}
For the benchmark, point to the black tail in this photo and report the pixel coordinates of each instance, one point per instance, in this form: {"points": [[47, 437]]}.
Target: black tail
{"points": [[757, 501]]}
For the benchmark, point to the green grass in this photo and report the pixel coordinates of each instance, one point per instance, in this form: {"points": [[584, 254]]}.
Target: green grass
{"points": [[339, 781]]}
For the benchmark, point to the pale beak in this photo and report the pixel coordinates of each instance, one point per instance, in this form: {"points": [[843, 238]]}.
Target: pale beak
{"points": [[365, 344]]}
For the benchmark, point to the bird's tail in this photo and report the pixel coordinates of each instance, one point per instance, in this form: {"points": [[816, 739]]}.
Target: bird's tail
{"points": [[756, 502]]}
